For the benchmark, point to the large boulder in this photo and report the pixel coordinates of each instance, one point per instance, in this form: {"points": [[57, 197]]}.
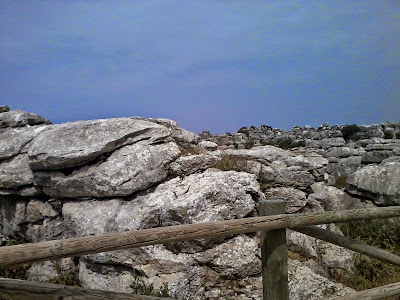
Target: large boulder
{"points": [[73, 144], [380, 183], [13, 140], [180, 135], [128, 170], [210, 196], [4, 108], [334, 199], [18, 118], [306, 284], [15, 172]]}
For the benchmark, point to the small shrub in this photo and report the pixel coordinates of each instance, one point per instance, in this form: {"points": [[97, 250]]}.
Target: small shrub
{"points": [[381, 233], [244, 130], [249, 145], [230, 163], [140, 287], [348, 131], [266, 127], [189, 150], [341, 182], [388, 134], [15, 272], [267, 143]]}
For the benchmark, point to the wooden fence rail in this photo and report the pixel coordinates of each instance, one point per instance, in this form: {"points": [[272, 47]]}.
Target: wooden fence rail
{"points": [[32, 290], [270, 226], [28, 253]]}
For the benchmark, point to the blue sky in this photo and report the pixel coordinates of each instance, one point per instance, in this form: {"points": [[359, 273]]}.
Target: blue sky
{"points": [[209, 65]]}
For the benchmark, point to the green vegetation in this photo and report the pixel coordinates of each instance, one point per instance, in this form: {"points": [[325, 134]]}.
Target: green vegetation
{"points": [[249, 144], [140, 287], [230, 163], [15, 272], [189, 150], [70, 277], [381, 233], [341, 182], [388, 134], [244, 130], [348, 131]]}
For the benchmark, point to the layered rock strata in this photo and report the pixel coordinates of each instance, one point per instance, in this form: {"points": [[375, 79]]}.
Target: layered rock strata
{"points": [[93, 177]]}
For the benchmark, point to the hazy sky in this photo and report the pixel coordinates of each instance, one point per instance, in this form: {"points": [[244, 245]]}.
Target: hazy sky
{"points": [[209, 65]]}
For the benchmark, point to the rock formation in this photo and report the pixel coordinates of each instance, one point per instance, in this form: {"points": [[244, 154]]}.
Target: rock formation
{"points": [[102, 176]]}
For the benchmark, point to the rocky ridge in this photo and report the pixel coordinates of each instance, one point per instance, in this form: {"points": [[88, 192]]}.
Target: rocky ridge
{"points": [[100, 176]]}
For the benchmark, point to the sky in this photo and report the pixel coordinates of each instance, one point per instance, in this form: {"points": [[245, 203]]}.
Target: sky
{"points": [[209, 65]]}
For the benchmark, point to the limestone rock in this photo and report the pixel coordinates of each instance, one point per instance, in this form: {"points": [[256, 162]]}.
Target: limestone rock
{"points": [[4, 108], [42, 271], [379, 183], [295, 199], [15, 172], [18, 118], [186, 165], [12, 214], [128, 170], [207, 146], [305, 284], [210, 196], [12, 140], [180, 135], [107, 278], [73, 144], [376, 156], [37, 210], [237, 258], [333, 198]]}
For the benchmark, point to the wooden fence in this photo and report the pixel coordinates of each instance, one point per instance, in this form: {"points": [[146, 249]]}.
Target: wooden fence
{"points": [[272, 224]]}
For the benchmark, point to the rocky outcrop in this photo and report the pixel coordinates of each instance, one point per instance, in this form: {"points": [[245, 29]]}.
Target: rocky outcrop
{"points": [[104, 176], [18, 118], [380, 183], [126, 171], [73, 144]]}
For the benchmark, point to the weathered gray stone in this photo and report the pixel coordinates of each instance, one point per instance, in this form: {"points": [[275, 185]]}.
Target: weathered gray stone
{"points": [[15, 172], [128, 170], [342, 152], [186, 165], [12, 140], [18, 118], [207, 146], [305, 284], [42, 271], [378, 183], [236, 258], [107, 278], [210, 196], [333, 198], [332, 142], [4, 108], [376, 156], [295, 199], [180, 135], [37, 210], [74, 144], [352, 161], [13, 215]]}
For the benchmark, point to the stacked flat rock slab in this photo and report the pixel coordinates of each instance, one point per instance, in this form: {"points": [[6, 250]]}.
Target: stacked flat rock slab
{"points": [[18, 118], [379, 182]]}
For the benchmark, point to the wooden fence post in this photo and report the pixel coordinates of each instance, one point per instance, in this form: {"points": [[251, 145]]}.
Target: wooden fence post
{"points": [[274, 254]]}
